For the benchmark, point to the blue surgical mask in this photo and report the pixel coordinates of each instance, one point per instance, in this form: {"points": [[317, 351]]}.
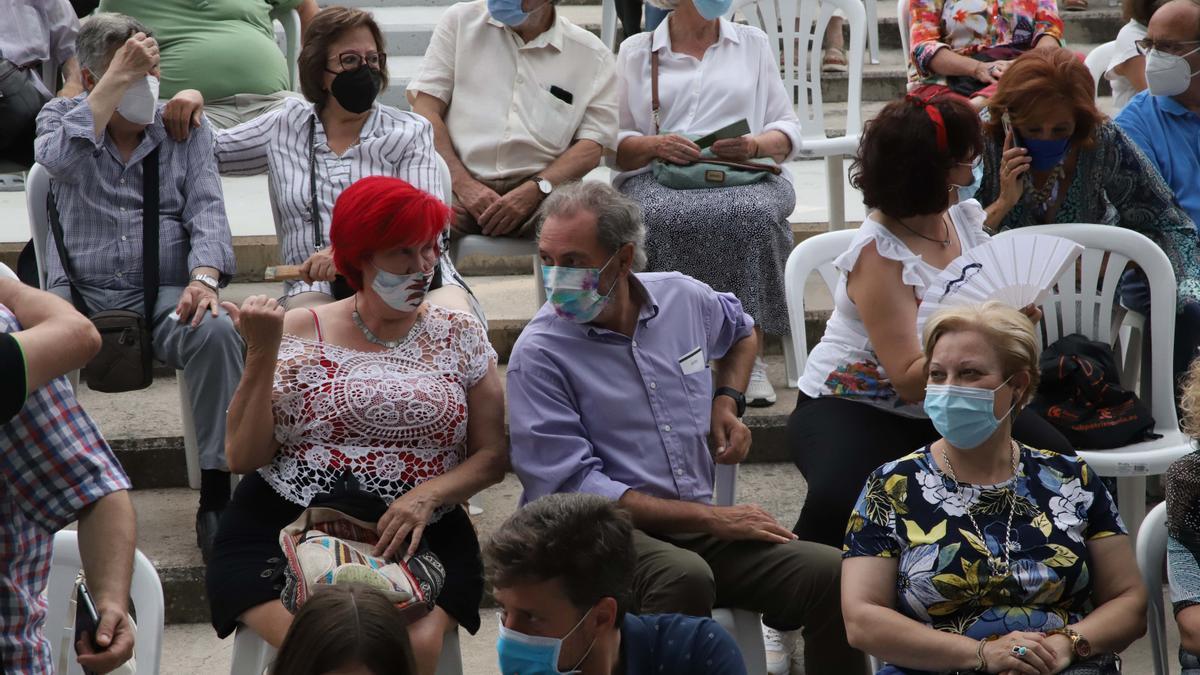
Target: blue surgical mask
{"points": [[1046, 154], [575, 291], [522, 654], [508, 12], [401, 292], [968, 191], [964, 416], [712, 9]]}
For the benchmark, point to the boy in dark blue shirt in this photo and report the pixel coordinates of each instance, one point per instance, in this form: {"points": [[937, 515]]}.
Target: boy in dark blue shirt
{"points": [[562, 570]]}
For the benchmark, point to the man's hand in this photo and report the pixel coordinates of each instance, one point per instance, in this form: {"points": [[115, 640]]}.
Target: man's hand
{"points": [[259, 321], [319, 267], [730, 436], [196, 299], [475, 197], [507, 213], [747, 522], [134, 59], [114, 636], [737, 149], [182, 113]]}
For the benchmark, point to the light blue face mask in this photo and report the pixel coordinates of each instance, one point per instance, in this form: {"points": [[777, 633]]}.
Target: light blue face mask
{"points": [[522, 654], [510, 12], [964, 416], [712, 9], [966, 192]]}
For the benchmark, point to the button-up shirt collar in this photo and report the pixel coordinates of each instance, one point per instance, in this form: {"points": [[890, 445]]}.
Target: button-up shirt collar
{"points": [[661, 38]]}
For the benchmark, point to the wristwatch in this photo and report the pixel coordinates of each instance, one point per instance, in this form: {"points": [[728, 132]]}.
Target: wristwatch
{"points": [[543, 185], [1079, 644], [738, 397], [208, 280]]}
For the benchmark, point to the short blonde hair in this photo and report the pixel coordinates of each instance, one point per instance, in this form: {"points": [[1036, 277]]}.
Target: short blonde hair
{"points": [[1189, 400], [1007, 330]]}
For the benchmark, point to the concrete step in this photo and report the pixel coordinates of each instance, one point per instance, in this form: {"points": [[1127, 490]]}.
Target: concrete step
{"points": [[166, 529]]}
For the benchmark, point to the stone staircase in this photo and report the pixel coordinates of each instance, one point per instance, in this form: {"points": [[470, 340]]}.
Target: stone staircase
{"points": [[145, 428]]}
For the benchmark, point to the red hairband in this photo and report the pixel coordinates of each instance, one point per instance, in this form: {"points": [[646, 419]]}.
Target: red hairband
{"points": [[935, 116]]}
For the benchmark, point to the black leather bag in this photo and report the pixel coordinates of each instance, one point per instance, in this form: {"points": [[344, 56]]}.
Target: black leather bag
{"points": [[126, 358]]}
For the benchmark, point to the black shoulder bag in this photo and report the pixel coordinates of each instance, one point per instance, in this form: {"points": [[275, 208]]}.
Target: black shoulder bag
{"points": [[126, 358]]}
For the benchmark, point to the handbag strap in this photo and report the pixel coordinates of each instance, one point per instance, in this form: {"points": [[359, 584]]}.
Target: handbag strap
{"points": [[654, 90], [149, 240], [313, 212]]}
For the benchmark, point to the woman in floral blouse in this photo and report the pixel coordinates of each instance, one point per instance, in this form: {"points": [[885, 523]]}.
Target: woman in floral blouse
{"points": [[980, 553], [967, 44]]}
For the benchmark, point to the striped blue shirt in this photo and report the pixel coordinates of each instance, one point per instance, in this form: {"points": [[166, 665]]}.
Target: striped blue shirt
{"points": [[99, 199]]}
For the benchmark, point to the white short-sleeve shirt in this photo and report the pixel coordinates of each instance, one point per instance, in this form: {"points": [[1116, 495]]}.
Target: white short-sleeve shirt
{"points": [[738, 78], [503, 119]]}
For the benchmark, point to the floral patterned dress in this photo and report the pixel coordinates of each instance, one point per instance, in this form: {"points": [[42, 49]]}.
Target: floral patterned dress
{"points": [[911, 511], [969, 26]]}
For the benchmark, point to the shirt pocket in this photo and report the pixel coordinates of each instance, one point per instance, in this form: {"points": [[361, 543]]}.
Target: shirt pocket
{"points": [[552, 120]]}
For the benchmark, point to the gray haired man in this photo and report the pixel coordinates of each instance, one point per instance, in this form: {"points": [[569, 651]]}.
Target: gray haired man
{"points": [[95, 146]]}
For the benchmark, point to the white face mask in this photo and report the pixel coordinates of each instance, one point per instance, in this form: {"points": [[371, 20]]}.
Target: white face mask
{"points": [[140, 101], [1168, 74], [401, 292]]}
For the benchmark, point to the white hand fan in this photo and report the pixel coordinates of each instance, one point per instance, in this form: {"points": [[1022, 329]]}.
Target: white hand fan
{"points": [[1017, 270]]}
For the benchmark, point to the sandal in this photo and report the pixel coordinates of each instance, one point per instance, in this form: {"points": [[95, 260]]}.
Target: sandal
{"points": [[1075, 5], [833, 60]]}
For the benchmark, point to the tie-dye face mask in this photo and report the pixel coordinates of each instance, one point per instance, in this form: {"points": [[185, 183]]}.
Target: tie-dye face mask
{"points": [[575, 291], [401, 292]]}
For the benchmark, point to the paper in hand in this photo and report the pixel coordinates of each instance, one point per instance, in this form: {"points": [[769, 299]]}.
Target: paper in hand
{"points": [[738, 128]]}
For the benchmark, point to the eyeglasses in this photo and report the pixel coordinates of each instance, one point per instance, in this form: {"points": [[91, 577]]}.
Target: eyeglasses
{"points": [[1183, 48], [354, 60]]}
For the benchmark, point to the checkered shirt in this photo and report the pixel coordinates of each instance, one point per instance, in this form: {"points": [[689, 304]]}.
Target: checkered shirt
{"points": [[54, 463]]}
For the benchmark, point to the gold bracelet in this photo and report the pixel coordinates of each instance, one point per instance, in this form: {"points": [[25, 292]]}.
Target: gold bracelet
{"points": [[982, 667]]}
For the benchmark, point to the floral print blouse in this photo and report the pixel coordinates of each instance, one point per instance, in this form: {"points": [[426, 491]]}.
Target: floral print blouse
{"points": [[911, 511], [968, 26]]}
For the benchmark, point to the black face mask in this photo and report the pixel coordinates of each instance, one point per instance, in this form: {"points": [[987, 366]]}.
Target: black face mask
{"points": [[355, 90]]}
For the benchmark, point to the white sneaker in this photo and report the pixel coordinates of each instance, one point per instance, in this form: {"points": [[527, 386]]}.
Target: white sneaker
{"points": [[760, 393], [779, 648]]}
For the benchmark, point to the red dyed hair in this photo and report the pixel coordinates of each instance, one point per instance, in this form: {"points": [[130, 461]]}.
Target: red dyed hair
{"points": [[1046, 76], [379, 213]]}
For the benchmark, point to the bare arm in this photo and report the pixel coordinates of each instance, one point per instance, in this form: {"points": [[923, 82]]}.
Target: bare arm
{"points": [[131, 62], [733, 369], [107, 537], [653, 514], [433, 109], [889, 313], [575, 163], [774, 144], [72, 78], [307, 10], [54, 338], [250, 441], [948, 62], [1189, 628]]}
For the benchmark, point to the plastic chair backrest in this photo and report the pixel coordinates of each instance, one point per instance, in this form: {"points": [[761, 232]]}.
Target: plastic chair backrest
{"points": [[608, 24], [7, 273], [1083, 300], [447, 184], [145, 591], [904, 23], [290, 20], [815, 254], [801, 51], [1097, 61], [37, 186], [1151, 551]]}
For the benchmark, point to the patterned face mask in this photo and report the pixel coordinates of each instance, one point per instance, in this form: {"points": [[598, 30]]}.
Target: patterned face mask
{"points": [[574, 292], [401, 292]]}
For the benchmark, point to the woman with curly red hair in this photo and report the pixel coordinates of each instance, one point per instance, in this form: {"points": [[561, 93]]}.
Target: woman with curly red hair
{"points": [[1063, 161], [381, 390]]}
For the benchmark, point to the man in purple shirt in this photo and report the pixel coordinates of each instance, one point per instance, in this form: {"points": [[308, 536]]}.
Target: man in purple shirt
{"points": [[610, 393]]}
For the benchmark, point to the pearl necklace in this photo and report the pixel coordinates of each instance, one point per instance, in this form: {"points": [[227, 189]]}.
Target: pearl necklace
{"points": [[1000, 567]]}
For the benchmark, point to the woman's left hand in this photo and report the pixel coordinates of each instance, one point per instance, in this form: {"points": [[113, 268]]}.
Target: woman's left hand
{"points": [[737, 149], [406, 518]]}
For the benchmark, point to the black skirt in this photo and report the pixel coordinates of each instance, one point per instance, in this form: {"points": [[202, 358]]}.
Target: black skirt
{"points": [[242, 571]]}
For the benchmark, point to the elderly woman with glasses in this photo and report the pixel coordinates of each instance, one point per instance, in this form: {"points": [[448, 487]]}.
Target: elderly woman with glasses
{"points": [[312, 150], [979, 553]]}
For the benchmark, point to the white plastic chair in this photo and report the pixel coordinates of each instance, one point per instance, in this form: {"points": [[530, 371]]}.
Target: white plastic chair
{"points": [[608, 24], [815, 254], [1097, 61], [145, 591], [7, 273], [904, 23], [478, 244], [252, 655], [37, 187], [802, 78], [1151, 552], [1087, 308], [290, 20], [744, 625]]}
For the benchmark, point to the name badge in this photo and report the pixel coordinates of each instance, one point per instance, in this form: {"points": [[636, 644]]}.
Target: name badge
{"points": [[692, 362]]}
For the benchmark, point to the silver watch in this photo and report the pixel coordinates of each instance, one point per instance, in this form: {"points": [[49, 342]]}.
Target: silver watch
{"points": [[544, 186], [208, 280]]}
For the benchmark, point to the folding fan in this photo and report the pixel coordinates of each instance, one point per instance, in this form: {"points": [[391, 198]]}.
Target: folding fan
{"points": [[1017, 270]]}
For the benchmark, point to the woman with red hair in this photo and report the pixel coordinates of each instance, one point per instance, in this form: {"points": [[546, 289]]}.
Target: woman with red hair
{"points": [[382, 391], [1062, 161]]}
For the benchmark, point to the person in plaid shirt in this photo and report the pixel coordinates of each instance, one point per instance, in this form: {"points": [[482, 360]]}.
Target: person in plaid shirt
{"points": [[56, 468]]}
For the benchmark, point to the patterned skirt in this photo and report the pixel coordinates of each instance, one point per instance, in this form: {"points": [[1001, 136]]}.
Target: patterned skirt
{"points": [[735, 239]]}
